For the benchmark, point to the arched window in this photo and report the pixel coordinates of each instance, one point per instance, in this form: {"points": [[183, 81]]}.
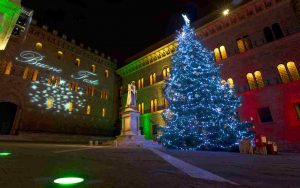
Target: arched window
{"points": [[293, 70], [60, 54], [223, 52], [277, 31], [251, 81], [88, 110], [102, 94], [35, 75], [8, 68], [240, 45], [93, 68], [103, 112], [141, 108], [152, 78], [230, 82], [140, 83], [49, 103], [38, 46], [77, 62], [25, 73], [259, 79], [92, 91], [75, 87], [217, 54], [153, 105], [283, 73], [106, 95], [166, 72], [268, 34]]}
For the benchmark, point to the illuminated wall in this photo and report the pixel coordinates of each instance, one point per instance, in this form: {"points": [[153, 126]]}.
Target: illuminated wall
{"points": [[58, 86], [9, 13]]}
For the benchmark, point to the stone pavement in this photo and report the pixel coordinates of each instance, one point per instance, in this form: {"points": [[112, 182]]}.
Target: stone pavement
{"points": [[37, 165], [271, 171]]}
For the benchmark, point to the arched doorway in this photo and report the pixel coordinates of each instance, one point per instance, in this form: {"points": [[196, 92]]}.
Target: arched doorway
{"points": [[7, 116]]}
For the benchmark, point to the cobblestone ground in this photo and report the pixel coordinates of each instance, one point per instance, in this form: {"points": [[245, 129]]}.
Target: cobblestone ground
{"points": [[274, 171]]}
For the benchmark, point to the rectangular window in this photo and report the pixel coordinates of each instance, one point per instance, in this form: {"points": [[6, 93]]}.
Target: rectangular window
{"points": [[297, 107], [247, 42], [265, 115], [70, 106], [240, 45]]}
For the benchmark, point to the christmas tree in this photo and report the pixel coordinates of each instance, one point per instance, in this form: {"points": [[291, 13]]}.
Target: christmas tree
{"points": [[202, 113]]}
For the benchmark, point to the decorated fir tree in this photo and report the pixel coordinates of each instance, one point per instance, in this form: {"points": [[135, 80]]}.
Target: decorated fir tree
{"points": [[202, 111]]}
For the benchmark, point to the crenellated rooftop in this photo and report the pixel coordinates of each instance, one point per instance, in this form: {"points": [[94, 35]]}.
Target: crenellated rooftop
{"points": [[70, 44]]}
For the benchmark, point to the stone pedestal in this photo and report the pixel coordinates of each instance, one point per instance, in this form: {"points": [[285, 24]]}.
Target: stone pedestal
{"points": [[130, 132]]}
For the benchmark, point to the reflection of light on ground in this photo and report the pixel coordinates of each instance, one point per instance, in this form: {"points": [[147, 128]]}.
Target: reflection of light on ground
{"points": [[68, 180], [4, 154]]}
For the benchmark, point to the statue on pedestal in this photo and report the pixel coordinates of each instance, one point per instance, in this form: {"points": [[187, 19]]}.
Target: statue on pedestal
{"points": [[130, 133]]}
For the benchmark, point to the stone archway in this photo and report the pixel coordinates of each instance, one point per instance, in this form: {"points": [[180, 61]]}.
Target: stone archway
{"points": [[8, 113]]}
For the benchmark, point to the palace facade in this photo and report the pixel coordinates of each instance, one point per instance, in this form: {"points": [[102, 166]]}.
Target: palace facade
{"points": [[52, 84], [257, 47]]}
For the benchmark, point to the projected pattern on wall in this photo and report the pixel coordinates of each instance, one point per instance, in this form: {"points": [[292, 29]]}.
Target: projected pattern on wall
{"points": [[59, 98]]}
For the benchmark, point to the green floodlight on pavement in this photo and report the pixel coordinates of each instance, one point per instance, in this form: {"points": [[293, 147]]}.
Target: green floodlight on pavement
{"points": [[4, 154], [68, 181]]}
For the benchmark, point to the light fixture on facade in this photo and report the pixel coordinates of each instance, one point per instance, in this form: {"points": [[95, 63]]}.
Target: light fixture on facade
{"points": [[226, 12]]}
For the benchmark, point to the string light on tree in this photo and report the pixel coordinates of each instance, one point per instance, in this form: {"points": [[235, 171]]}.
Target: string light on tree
{"points": [[202, 112]]}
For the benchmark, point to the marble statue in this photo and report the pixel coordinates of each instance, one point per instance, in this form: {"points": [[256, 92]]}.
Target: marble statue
{"points": [[131, 97]]}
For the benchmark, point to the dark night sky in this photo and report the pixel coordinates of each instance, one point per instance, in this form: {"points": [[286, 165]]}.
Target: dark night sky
{"points": [[119, 28]]}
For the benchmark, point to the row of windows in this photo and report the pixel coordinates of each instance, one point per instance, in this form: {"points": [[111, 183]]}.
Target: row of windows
{"points": [[153, 106], [265, 114], [153, 78], [244, 43], [288, 72], [70, 107], [60, 55], [28, 73]]}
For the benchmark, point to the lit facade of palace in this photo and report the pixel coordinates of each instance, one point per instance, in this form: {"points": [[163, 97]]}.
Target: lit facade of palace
{"points": [[257, 47], [50, 84]]}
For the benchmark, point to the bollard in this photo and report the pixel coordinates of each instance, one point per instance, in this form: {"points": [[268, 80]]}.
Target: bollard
{"points": [[96, 142], [91, 142], [116, 143]]}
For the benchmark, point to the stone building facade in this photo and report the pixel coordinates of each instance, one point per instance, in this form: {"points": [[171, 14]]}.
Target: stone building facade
{"points": [[51, 84], [257, 47]]}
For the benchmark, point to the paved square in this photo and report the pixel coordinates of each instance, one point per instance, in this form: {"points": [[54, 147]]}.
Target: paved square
{"points": [[37, 165]]}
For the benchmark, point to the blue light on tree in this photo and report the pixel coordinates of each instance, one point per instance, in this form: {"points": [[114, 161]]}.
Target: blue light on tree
{"points": [[202, 112]]}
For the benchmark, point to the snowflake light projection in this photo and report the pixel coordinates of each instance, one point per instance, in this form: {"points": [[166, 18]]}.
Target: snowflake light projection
{"points": [[59, 98]]}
